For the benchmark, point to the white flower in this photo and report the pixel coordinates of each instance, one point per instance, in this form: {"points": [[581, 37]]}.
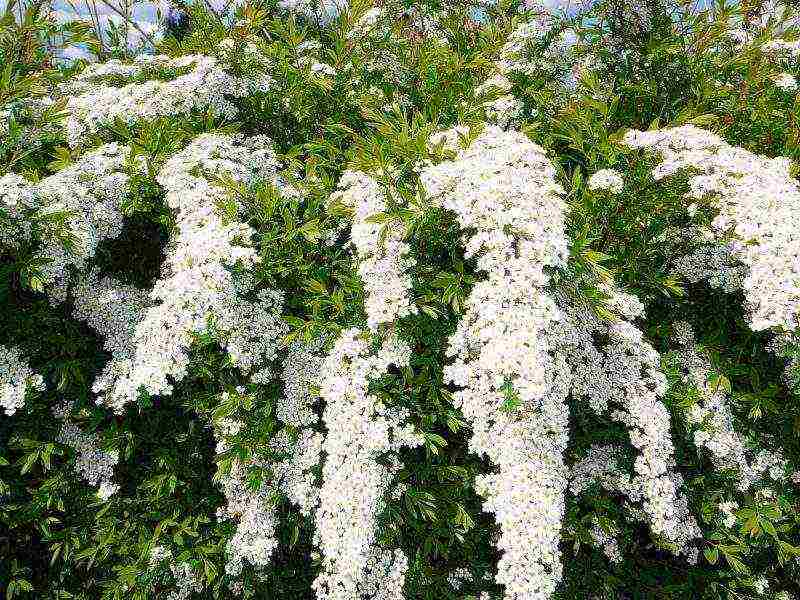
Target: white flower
{"points": [[92, 463], [383, 263], [786, 81], [757, 200], [355, 484], [206, 86], [606, 179], [503, 189], [16, 380], [153, 335]]}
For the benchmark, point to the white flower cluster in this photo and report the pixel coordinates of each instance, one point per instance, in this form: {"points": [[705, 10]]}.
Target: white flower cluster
{"points": [[376, 40], [19, 203], [605, 538], [606, 179], [199, 292], [254, 510], [366, 22], [711, 413], [528, 51], [95, 74], [786, 345], [519, 343], [728, 509], [503, 188], [714, 420], [186, 581], [458, 577], [16, 380], [300, 376], [93, 463], [91, 191], [601, 466], [323, 11], [204, 87], [514, 54], [711, 261], [360, 430], [254, 540], [785, 81], [758, 201], [782, 48], [623, 375], [383, 261], [113, 309], [504, 109], [5, 119]]}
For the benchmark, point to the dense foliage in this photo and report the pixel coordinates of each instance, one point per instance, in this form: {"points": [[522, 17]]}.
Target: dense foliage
{"points": [[436, 300]]}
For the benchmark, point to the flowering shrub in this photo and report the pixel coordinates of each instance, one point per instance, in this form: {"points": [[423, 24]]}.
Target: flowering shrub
{"points": [[389, 300]]}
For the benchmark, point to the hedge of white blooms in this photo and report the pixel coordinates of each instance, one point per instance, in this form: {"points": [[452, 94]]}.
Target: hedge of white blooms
{"points": [[356, 301]]}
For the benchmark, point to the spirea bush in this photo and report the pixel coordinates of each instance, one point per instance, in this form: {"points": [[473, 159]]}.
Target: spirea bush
{"points": [[436, 300]]}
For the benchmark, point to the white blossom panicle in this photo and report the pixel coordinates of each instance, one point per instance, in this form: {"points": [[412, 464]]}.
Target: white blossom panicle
{"points": [[16, 380], [529, 52], [503, 188], [300, 376], [458, 577], [714, 262], [504, 109], [360, 430], [254, 511], [297, 479], [90, 192], [622, 376], [631, 368], [782, 48], [94, 464], [758, 201], [712, 418], [115, 70], [383, 262], [5, 118], [606, 179], [185, 579], [513, 55], [627, 306], [206, 86], [739, 37], [366, 22], [159, 554], [19, 202], [113, 309], [786, 345], [601, 466], [711, 412], [93, 191], [198, 291]]}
